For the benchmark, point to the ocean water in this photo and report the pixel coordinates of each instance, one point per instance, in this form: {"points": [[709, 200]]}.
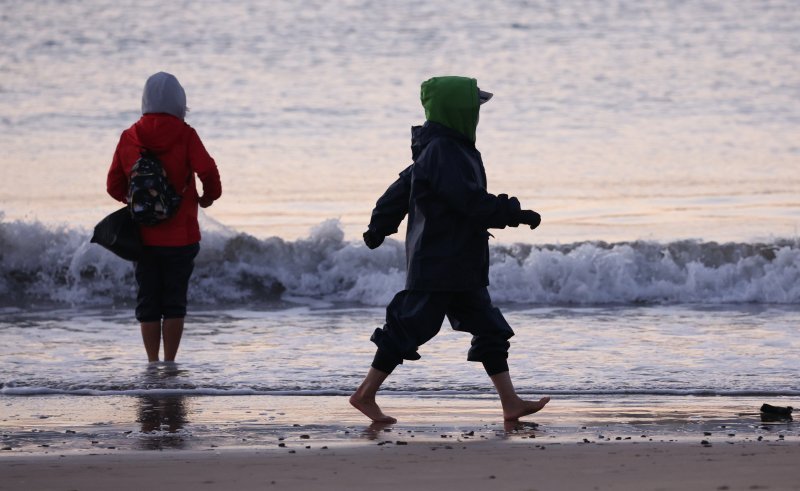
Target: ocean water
{"points": [[617, 120], [657, 139], [303, 350]]}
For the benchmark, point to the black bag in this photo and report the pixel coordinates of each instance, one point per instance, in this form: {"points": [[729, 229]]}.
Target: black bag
{"points": [[119, 234], [151, 197]]}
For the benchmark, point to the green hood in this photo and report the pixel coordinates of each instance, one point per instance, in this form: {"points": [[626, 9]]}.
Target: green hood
{"points": [[452, 102]]}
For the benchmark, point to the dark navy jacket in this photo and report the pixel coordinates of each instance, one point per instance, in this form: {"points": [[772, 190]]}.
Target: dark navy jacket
{"points": [[449, 211]]}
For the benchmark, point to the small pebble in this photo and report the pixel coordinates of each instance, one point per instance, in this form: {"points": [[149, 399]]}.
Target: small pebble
{"points": [[304, 437]]}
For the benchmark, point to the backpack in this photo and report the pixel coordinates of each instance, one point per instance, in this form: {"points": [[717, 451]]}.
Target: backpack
{"points": [[151, 198]]}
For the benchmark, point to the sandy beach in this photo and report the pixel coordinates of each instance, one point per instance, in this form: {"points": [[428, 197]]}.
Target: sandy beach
{"points": [[424, 465], [319, 442]]}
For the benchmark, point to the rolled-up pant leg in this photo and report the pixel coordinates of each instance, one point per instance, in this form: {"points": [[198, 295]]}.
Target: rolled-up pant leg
{"points": [[412, 319], [473, 312], [149, 279], [163, 275]]}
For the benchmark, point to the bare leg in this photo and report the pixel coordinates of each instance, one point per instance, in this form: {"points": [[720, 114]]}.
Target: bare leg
{"points": [[513, 406], [173, 330], [364, 397], [151, 335]]}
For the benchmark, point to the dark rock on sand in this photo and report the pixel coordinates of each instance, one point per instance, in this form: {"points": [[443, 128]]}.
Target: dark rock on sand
{"points": [[771, 413]]}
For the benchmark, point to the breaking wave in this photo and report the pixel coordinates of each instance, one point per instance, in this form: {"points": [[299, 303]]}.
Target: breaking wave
{"points": [[42, 265]]}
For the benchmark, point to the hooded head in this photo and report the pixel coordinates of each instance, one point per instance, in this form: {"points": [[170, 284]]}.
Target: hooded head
{"points": [[164, 94], [453, 102]]}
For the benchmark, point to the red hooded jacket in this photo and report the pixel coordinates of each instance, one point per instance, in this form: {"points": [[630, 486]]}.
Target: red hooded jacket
{"points": [[182, 154]]}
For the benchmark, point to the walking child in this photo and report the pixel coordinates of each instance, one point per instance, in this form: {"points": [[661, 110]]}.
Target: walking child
{"points": [[447, 247]]}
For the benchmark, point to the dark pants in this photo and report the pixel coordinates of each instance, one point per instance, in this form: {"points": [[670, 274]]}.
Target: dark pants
{"points": [[414, 317], [162, 274]]}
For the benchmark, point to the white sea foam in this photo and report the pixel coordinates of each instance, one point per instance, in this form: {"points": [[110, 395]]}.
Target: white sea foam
{"points": [[58, 265]]}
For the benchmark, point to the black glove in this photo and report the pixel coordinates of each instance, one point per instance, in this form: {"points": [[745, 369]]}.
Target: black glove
{"points": [[530, 217], [372, 239]]}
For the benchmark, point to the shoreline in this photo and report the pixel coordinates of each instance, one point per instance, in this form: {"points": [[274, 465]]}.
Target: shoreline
{"points": [[320, 442], [47, 424]]}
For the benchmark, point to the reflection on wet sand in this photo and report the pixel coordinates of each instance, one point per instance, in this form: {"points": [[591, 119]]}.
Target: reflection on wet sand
{"points": [[374, 430], [161, 419], [161, 416], [527, 428]]}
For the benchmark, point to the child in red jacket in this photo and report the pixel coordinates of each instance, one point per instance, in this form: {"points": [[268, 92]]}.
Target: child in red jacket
{"points": [[166, 265]]}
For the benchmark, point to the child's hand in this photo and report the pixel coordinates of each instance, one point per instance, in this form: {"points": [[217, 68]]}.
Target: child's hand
{"points": [[530, 217], [372, 239], [204, 202]]}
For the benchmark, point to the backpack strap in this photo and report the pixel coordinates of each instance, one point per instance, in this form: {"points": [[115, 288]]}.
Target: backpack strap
{"points": [[143, 151]]}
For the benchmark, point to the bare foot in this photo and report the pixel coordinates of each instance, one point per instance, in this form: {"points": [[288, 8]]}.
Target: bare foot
{"points": [[520, 408], [370, 408]]}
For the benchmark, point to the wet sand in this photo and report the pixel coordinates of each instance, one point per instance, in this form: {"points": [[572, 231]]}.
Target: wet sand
{"points": [[316, 442]]}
